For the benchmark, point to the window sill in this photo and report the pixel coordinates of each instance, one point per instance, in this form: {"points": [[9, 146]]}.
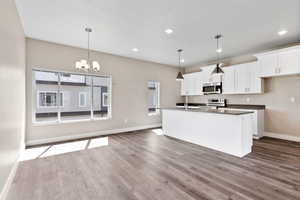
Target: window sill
{"points": [[68, 122]]}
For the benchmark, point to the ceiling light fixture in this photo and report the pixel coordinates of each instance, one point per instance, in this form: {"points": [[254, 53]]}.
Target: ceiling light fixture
{"points": [[135, 49], [282, 32], [179, 75], [218, 69], [88, 65], [168, 31]]}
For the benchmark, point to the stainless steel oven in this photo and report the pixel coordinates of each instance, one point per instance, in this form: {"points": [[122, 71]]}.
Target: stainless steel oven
{"points": [[212, 88]]}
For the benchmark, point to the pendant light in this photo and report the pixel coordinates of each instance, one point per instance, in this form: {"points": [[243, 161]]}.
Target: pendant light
{"points": [[88, 65], [218, 69], [179, 76]]}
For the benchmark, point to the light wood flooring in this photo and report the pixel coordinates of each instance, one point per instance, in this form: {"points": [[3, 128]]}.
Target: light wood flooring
{"points": [[146, 166]]}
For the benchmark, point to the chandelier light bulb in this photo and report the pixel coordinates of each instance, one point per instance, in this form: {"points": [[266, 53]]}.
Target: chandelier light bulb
{"points": [[96, 66]]}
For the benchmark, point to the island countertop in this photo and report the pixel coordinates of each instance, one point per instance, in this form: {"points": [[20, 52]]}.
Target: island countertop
{"points": [[207, 110]]}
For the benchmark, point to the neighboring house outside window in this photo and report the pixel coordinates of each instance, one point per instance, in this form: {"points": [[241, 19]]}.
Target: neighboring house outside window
{"points": [[153, 97], [104, 99], [82, 99], [49, 99], [81, 96]]}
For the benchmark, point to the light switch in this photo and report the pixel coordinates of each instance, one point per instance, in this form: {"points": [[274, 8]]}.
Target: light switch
{"points": [[248, 99]]}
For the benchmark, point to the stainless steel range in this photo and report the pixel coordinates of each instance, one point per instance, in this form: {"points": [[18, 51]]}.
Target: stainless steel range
{"points": [[216, 102]]}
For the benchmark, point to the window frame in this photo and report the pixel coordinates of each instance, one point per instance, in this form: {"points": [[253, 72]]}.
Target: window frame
{"points": [[157, 110], [59, 121]]}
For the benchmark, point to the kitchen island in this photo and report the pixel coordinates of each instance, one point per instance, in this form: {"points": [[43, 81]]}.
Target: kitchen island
{"points": [[227, 131]]}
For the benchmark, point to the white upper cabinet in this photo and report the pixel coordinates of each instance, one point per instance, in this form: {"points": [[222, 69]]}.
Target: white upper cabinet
{"points": [[237, 79], [191, 84], [242, 79], [228, 80], [289, 61], [279, 62], [268, 64]]}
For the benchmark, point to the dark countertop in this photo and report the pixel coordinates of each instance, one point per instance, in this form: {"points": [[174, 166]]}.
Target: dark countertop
{"points": [[236, 106], [207, 110]]}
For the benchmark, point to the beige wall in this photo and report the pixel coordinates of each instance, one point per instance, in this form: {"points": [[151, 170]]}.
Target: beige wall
{"points": [[12, 87], [129, 88], [281, 116]]}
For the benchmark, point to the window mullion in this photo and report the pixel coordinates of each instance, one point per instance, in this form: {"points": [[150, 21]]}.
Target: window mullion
{"points": [[92, 97], [58, 98]]}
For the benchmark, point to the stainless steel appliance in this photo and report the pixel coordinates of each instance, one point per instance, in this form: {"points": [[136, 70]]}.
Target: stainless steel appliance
{"points": [[212, 88], [216, 102]]}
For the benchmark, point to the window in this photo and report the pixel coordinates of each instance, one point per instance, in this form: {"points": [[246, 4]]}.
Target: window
{"points": [[81, 96], [82, 99], [49, 99], [153, 97], [104, 99], [101, 97]]}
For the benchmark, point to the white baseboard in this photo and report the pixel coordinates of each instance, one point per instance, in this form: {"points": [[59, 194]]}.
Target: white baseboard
{"points": [[282, 136], [92, 134]]}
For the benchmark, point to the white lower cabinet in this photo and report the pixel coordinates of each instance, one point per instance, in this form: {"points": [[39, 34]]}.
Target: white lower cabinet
{"points": [[258, 123]]}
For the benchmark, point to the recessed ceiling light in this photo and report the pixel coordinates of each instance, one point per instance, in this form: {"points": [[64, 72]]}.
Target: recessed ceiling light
{"points": [[282, 32], [219, 50], [182, 60], [135, 49], [168, 31]]}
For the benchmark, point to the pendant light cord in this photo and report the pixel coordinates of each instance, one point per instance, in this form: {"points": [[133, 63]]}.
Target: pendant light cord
{"points": [[179, 57], [218, 56], [88, 47]]}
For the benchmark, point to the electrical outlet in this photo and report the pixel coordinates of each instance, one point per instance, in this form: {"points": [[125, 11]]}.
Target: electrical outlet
{"points": [[125, 121]]}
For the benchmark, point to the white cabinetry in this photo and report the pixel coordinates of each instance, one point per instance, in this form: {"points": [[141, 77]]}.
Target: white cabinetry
{"points": [[228, 80], [191, 84], [242, 79], [279, 62], [237, 79], [258, 123]]}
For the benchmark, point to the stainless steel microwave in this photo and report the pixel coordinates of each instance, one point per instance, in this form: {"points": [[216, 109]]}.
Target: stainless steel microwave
{"points": [[212, 88]]}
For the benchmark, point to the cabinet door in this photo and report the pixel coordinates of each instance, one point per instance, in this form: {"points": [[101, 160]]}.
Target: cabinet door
{"points": [[289, 62], [188, 85], [268, 64], [255, 81], [228, 80], [242, 80], [198, 82], [184, 86]]}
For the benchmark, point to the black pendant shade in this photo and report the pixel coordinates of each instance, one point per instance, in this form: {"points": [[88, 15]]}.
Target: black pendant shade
{"points": [[218, 69], [179, 76]]}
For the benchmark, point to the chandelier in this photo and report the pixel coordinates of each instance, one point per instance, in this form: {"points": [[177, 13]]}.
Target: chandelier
{"points": [[88, 65]]}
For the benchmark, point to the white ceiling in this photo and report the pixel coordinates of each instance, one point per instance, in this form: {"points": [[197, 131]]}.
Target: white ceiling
{"points": [[119, 25]]}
